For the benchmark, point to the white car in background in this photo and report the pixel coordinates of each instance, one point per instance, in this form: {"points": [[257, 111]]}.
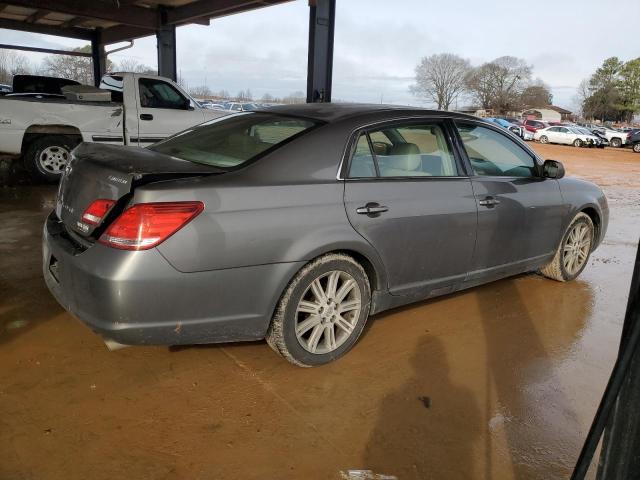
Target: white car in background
{"points": [[616, 138], [566, 136]]}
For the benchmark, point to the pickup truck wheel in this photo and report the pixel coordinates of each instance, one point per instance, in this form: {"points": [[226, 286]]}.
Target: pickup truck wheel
{"points": [[574, 250], [636, 147], [321, 312], [616, 142], [46, 157]]}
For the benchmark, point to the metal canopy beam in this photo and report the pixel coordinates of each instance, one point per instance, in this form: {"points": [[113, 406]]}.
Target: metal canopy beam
{"points": [[123, 33], [106, 11], [196, 11], [79, 33], [322, 19], [44, 50], [167, 64], [98, 57]]}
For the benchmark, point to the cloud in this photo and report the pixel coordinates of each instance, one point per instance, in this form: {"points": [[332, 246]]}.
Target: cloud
{"points": [[378, 43]]}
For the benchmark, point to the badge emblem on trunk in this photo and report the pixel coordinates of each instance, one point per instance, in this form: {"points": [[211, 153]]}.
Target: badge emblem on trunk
{"points": [[84, 228]]}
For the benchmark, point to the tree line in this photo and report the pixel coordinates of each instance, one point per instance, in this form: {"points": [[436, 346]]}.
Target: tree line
{"points": [[502, 85], [506, 84], [612, 92], [75, 68]]}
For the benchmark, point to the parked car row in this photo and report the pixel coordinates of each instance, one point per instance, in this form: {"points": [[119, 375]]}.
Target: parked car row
{"points": [[579, 135], [567, 136]]}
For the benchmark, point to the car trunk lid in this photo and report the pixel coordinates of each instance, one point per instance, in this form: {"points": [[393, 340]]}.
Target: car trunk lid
{"points": [[112, 172]]}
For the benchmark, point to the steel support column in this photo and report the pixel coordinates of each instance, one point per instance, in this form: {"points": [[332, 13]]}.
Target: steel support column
{"points": [[166, 39], [98, 57], [322, 19]]}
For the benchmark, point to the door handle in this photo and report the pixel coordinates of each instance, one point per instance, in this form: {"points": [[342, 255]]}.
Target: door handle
{"points": [[146, 116], [489, 202], [372, 209]]}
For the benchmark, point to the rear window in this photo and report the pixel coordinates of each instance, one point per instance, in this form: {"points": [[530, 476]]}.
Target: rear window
{"points": [[230, 141]]}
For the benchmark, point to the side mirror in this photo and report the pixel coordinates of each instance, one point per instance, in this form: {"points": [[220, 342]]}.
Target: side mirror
{"points": [[552, 169]]}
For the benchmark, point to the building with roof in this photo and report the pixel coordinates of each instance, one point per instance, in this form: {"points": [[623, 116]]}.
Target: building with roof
{"points": [[548, 113]]}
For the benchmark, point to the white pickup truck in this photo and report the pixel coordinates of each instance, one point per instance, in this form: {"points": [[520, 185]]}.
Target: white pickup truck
{"points": [[143, 109]]}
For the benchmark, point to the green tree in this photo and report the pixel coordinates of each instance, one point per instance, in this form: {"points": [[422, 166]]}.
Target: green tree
{"points": [[604, 100], [629, 87]]}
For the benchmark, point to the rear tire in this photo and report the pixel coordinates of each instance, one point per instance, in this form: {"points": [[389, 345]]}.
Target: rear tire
{"points": [[46, 157], [322, 312], [544, 139], [573, 253], [616, 142]]}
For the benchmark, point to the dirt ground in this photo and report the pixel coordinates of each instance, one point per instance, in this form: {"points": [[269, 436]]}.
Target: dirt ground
{"points": [[500, 381]]}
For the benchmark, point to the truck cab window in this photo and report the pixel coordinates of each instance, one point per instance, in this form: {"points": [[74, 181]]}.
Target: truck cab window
{"points": [[159, 94]]}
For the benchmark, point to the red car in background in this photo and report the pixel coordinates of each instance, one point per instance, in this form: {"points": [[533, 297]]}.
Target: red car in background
{"points": [[534, 125]]}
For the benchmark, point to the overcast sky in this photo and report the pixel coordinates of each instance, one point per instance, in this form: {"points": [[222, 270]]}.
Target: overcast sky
{"points": [[379, 42]]}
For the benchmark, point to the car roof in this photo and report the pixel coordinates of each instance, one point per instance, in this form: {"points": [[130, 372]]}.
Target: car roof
{"points": [[333, 112]]}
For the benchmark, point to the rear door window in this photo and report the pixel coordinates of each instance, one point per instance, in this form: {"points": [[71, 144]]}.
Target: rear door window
{"points": [[414, 150], [362, 163]]}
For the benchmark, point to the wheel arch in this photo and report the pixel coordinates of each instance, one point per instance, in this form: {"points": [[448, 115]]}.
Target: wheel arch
{"points": [[364, 254], [595, 217], [35, 131]]}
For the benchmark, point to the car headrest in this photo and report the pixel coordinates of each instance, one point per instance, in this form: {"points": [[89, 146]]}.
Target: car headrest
{"points": [[404, 156]]}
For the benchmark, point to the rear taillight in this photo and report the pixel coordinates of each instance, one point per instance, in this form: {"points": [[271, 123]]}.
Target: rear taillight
{"points": [[146, 225], [94, 214]]}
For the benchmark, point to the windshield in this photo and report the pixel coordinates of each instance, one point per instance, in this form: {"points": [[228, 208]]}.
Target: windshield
{"points": [[230, 141]]}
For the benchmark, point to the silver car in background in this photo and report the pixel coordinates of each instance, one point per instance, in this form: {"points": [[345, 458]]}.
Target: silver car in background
{"points": [[295, 223]]}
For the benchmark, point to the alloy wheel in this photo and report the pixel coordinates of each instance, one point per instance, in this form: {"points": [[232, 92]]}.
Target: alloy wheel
{"points": [[544, 139], [576, 248], [53, 159], [328, 311]]}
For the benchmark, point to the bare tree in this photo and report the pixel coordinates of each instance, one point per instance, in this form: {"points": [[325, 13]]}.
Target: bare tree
{"points": [[201, 91], [74, 68], [12, 63], [295, 97], [579, 99], [133, 65], [499, 84], [536, 95], [441, 78]]}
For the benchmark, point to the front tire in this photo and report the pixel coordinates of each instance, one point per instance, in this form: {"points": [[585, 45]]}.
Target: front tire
{"points": [[573, 253], [322, 312], [636, 147], [46, 157], [577, 142], [544, 139], [616, 142]]}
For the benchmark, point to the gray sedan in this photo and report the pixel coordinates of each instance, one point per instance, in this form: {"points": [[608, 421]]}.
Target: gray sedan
{"points": [[296, 223]]}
